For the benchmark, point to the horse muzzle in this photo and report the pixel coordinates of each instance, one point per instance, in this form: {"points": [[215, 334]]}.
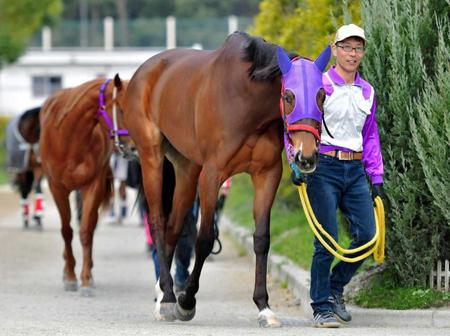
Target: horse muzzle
{"points": [[306, 164]]}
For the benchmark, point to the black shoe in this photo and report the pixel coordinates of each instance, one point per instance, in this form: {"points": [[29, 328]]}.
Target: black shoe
{"points": [[338, 308], [325, 319]]}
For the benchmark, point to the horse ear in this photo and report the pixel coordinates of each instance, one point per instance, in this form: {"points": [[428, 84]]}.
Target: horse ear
{"points": [[284, 62], [117, 82], [322, 60]]}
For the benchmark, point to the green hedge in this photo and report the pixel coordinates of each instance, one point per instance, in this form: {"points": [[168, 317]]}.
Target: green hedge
{"points": [[407, 61]]}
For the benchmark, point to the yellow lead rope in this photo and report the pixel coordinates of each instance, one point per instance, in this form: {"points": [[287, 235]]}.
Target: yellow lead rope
{"points": [[375, 245]]}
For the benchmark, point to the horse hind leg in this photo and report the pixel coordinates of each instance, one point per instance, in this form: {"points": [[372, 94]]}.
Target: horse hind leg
{"points": [[179, 220], [38, 201], [61, 197], [92, 197], [24, 183], [185, 308], [25, 212]]}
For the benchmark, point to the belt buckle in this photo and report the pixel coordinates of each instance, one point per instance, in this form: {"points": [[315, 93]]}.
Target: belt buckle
{"points": [[349, 157]]}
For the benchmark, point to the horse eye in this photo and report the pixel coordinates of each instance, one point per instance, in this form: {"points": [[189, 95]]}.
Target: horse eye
{"points": [[288, 99]]}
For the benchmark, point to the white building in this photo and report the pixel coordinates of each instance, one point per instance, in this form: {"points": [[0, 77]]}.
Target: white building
{"points": [[29, 81]]}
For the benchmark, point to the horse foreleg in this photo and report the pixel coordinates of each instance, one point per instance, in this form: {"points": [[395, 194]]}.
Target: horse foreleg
{"points": [[92, 196], [265, 185], [61, 197]]}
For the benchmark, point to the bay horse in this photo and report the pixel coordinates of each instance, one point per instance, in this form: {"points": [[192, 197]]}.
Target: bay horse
{"points": [[23, 162], [76, 127], [218, 112]]}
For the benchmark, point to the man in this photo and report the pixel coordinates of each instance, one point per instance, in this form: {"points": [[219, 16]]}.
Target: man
{"points": [[119, 167], [348, 152]]}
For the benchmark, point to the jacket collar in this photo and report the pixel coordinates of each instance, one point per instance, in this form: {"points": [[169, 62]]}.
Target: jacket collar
{"points": [[337, 79]]}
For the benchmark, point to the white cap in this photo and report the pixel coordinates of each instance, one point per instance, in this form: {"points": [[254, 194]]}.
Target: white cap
{"points": [[349, 30]]}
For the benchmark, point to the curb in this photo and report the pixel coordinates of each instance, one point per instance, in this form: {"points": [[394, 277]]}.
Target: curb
{"points": [[298, 280]]}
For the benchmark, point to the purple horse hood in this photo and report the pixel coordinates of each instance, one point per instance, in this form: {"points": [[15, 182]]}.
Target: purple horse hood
{"points": [[303, 78]]}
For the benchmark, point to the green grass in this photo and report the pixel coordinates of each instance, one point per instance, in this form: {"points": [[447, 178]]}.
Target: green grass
{"points": [[4, 178], [290, 233], [382, 293]]}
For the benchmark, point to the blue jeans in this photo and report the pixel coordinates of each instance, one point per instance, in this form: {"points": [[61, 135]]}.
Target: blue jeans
{"points": [[338, 184]]}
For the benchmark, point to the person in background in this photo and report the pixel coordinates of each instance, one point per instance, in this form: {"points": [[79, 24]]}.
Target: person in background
{"points": [[119, 167], [348, 152]]}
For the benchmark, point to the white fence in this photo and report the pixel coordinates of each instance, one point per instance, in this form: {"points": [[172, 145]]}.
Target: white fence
{"points": [[440, 278]]}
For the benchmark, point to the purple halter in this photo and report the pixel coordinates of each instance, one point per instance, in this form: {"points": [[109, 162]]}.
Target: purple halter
{"points": [[113, 130], [304, 79]]}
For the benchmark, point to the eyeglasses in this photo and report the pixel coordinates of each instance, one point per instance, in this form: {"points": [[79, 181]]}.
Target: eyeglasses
{"points": [[349, 48]]}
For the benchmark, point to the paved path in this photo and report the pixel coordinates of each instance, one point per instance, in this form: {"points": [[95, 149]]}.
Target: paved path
{"points": [[32, 300]]}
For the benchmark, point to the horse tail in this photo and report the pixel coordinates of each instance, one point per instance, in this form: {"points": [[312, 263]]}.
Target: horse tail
{"points": [[109, 189], [168, 185], [24, 182]]}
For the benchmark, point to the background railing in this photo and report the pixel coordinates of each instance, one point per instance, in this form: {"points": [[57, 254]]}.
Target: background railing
{"points": [[208, 33]]}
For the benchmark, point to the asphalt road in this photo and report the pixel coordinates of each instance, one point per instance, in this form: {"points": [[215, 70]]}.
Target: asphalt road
{"points": [[33, 302]]}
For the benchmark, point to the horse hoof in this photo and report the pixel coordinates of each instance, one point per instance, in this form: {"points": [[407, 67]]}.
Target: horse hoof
{"points": [[164, 311], [91, 282], [70, 285], [86, 292], [183, 314], [268, 319]]}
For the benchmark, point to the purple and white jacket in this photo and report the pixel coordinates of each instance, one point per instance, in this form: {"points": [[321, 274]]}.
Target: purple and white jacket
{"points": [[349, 112]]}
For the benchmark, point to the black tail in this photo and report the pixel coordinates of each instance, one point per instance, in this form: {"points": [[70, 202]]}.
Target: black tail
{"points": [[24, 183], [134, 180]]}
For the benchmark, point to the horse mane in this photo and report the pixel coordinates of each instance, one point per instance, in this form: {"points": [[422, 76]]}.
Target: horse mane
{"points": [[77, 97], [262, 55]]}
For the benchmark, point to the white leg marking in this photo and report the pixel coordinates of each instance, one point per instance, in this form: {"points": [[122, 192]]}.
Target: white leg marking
{"points": [[267, 318], [159, 296]]}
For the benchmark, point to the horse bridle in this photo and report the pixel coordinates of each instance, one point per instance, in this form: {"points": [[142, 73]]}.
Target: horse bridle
{"points": [[113, 125]]}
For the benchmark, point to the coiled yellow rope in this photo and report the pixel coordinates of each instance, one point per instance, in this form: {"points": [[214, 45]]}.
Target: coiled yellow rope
{"points": [[375, 245]]}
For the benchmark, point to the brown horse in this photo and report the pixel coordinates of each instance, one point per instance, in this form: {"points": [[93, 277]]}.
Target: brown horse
{"points": [[23, 162], [216, 112], [75, 148]]}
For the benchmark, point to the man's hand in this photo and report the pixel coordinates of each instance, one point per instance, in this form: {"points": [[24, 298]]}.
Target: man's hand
{"points": [[377, 190], [297, 179]]}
